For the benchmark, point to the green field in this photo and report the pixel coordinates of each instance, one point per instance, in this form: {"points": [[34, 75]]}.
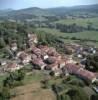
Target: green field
{"points": [[35, 76], [91, 35], [80, 21]]}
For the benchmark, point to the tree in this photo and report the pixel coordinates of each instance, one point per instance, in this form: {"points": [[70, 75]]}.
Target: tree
{"points": [[14, 79], [94, 97], [5, 93], [2, 42], [21, 75], [77, 94], [92, 63]]}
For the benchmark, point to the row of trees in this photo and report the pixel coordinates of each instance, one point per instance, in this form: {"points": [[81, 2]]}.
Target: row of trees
{"points": [[72, 28], [69, 28]]}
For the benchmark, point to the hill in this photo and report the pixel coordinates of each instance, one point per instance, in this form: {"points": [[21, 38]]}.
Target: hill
{"points": [[5, 11], [35, 11], [82, 8]]}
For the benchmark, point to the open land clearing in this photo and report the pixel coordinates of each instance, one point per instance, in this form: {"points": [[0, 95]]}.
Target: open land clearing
{"points": [[34, 91]]}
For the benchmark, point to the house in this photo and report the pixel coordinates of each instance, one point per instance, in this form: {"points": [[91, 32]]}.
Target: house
{"points": [[33, 56], [70, 60], [44, 48], [58, 56], [44, 55], [3, 62], [61, 63], [80, 72], [43, 51], [12, 66], [51, 60], [38, 63], [87, 75], [92, 50], [32, 38], [25, 58], [80, 56], [69, 49], [65, 71], [52, 67], [36, 51], [13, 46], [95, 88], [57, 72], [72, 68], [52, 51]]}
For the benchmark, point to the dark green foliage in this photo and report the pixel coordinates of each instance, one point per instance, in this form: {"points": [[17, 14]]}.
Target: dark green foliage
{"points": [[69, 92], [77, 94], [14, 79], [51, 40], [94, 97], [5, 93], [2, 43], [45, 83], [70, 28], [10, 31], [70, 89], [92, 61]]}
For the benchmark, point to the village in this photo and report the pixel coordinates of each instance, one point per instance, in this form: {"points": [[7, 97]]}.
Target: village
{"points": [[43, 57]]}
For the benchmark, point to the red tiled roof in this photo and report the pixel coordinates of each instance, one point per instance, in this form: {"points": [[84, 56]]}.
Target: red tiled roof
{"points": [[33, 56], [52, 59], [74, 69], [43, 48], [23, 55], [52, 51], [53, 65], [86, 74], [38, 62], [36, 51]]}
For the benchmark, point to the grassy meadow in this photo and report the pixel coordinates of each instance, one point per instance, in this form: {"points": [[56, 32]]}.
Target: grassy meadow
{"points": [[80, 21]]}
